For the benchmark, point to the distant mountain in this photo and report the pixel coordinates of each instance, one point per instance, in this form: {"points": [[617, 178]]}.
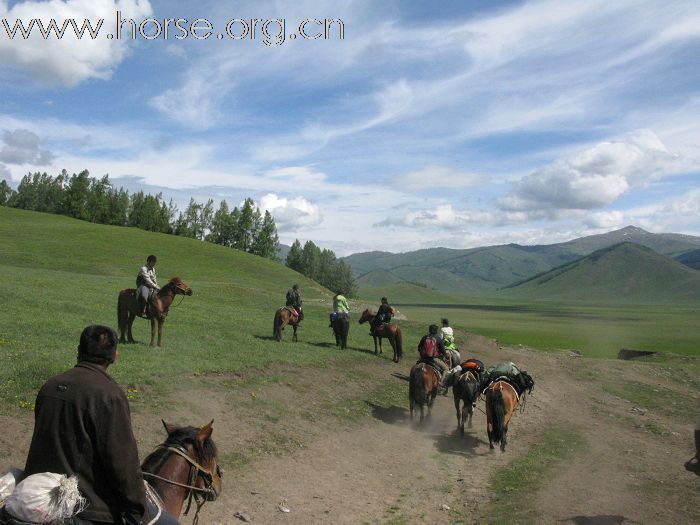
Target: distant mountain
{"points": [[691, 258], [622, 273], [282, 252], [482, 271]]}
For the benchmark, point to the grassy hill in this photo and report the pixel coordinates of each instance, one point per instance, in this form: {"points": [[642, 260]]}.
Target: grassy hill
{"points": [[623, 273], [480, 272], [61, 274]]}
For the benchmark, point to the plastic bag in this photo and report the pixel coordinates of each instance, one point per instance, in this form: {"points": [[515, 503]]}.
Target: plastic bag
{"points": [[8, 482], [45, 498]]}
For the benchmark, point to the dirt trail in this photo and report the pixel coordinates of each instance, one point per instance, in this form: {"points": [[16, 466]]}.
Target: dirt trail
{"points": [[394, 471], [389, 470]]}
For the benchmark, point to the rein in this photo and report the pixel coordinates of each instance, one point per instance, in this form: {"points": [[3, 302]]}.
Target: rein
{"points": [[196, 470]]}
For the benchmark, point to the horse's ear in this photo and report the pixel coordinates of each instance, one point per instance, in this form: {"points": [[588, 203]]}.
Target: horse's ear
{"points": [[168, 428], [205, 431]]}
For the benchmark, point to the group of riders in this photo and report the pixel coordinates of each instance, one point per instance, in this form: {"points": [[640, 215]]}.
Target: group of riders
{"points": [[102, 451]]}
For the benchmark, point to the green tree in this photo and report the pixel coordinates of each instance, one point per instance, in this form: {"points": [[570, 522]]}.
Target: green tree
{"points": [[5, 193], [244, 226], [266, 242], [294, 257], [75, 202]]}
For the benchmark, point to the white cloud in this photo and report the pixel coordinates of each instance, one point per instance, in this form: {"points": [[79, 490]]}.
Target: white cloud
{"points": [[291, 214], [5, 173], [437, 177], [70, 60], [22, 147], [595, 177], [296, 176], [442, 216]]}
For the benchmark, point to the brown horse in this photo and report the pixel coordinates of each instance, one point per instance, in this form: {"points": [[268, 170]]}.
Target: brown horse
{"points": [[422, 387], [183, 468], [157, 309], [501, 401], [466, 391], [285, 316], [389, 331]]}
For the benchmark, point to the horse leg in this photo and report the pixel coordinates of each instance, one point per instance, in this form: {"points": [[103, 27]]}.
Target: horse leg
{"points": [[410, 407], [160, 333], [129, 323], [153, 332], [393, 346], [294, 337], [469, 407], [460, 426], [504, 441]]}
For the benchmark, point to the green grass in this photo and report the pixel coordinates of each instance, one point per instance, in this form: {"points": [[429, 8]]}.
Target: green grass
{"points": [[60, 274], [597, 331], [513, 486]]}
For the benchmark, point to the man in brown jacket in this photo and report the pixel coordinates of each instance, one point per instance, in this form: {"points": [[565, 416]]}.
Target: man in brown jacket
{"points": [[83, 427]]}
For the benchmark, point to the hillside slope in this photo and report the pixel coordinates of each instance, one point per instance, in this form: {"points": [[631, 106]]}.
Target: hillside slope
{"points": [[482, 271], [625, 272]]}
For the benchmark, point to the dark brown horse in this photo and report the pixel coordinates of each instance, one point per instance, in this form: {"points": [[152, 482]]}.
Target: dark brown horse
{"points": [[501, 401], [285, 316], [466, 391], [422, 387], [158, 308], [183, 468], [389, 331], [341, 328]]}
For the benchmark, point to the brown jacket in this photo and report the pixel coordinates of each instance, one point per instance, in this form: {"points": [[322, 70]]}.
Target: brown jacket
{"points": [[83, 426]]}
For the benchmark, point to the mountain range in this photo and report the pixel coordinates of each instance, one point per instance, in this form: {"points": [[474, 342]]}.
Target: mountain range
{"points": [[549, 271]]}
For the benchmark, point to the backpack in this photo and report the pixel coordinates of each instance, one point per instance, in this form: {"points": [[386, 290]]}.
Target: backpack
{"points": [[429, 347]]}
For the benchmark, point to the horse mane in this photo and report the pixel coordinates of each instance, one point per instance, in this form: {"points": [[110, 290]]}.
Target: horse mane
{"points": [[181, 437]]}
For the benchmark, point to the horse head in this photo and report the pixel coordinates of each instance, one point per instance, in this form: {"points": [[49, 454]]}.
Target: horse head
{"points": [[197, 469], [367, 315], [179, 286]]}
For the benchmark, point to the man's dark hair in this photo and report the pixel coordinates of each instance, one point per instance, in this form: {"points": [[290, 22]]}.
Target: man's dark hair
{"points": [[98, 344], [385, 300], [432, 329], [445, 322], [152, 258], [295, 287]]}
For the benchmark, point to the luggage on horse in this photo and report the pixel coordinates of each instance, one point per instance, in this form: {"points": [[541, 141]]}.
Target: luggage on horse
{"points": [[520, 380], [45, 498]]}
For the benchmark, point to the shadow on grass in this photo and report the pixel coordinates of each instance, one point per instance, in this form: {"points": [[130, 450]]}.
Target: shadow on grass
{"points": [[265, 337], [403, 377], [693, 465], [390, 415]]}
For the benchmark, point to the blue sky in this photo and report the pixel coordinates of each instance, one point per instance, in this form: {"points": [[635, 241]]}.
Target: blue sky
{"points": [[452, 123]]}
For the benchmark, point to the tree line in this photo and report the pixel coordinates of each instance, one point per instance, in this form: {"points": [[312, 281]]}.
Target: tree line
{"points": [[246, 228], [323, 267], [97, 200]]}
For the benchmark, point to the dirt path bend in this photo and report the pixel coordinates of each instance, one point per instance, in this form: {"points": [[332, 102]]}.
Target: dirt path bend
{"points": [[393, 471], [387, 470]]}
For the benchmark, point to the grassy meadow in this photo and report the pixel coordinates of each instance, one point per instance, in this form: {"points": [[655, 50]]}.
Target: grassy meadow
{"points": [[595, 331], [61, 274]]}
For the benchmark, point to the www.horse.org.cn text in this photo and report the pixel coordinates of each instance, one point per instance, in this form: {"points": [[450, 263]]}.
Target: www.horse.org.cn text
{"points": [[269, 31]]}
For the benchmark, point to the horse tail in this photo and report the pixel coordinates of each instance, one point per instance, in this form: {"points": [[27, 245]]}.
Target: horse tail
{"points": [[276, 331], [122, 311], [416, 386], [399, 346], [497, 415]]}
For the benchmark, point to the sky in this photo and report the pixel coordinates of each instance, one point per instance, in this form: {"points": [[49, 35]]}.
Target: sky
{"points": [[448, 123]]}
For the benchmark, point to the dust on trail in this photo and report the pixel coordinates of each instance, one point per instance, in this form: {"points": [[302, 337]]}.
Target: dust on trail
{"points": [[390, 470]]}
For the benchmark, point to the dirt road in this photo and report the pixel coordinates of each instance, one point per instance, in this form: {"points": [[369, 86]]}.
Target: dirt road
{"points": [[390, 470]]}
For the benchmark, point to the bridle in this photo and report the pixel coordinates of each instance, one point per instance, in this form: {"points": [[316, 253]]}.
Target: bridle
{"points": [[200, 494]]}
